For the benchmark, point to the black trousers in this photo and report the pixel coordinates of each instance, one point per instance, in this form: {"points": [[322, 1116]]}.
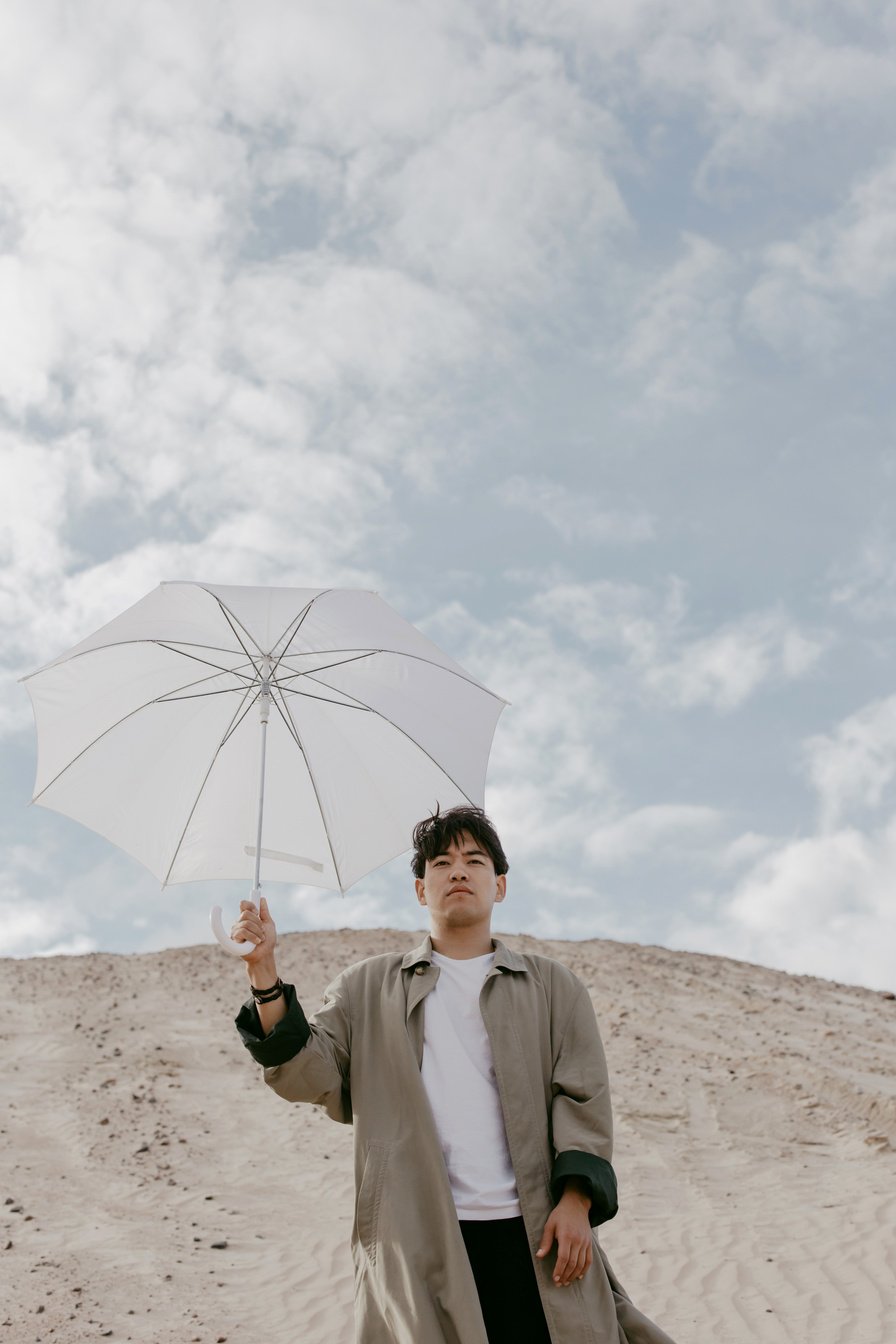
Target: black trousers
{"points": [[505, 1280]]}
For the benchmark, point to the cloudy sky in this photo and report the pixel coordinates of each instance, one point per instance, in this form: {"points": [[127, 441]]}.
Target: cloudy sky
{"points": [[566, 325]]}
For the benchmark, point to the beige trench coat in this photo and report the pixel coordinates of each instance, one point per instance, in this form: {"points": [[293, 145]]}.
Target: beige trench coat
{"points": [[359, 1057]]}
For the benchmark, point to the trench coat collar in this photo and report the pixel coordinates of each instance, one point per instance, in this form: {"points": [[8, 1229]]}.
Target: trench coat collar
{"points": [[505, 959]]}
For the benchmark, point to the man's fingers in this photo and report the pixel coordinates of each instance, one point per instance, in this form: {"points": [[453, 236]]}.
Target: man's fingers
{"points": [[562, 1267], [248, 928], [241, 935], [547, 1239], [572, 1261], [574, 1253]]}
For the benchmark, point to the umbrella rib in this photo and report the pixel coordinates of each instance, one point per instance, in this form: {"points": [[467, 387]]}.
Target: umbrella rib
{"points": [[325, 699], [462, 676], [419, 745], [418, 658], [289, 725], [234, 723], [170, 697], [343, 662], [68, 765], [207, 662], [286, 715], [170, 645], [156, 700], [227, 616], [230, 618], [299, 623]]}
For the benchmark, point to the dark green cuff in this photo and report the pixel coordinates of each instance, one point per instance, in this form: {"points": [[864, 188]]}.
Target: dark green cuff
{"points": [[599, 1177], [287, 1039]]}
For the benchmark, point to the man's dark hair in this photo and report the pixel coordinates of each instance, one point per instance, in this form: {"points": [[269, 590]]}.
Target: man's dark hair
{"points": [[434, 834]]}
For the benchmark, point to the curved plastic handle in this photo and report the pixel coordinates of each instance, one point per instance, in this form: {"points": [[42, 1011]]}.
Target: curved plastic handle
{"points": [[228, 943]]}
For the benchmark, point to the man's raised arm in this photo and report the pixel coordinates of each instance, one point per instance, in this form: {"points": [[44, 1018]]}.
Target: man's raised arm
{"points": [[303, 1060], [256, 926]]}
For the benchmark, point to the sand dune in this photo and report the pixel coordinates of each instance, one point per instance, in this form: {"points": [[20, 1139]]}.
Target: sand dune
{"points": [[153, 1189]]}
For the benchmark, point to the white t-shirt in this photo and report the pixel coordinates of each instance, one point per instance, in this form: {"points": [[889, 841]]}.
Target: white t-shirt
{"points": [[459, 1078]]}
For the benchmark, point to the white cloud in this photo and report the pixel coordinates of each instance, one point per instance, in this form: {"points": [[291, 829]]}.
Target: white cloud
{"points": [[356, 78], [35, 483], [575, 515], [372, 905], [752, 73], [725, 668], [744, 849], [468, 160], [498, 203], [63, 900], [763, 76], [680, 339], [36, 927], [820, 906], [322, 323], [653, 633], [852, 767], [612, 614], [865, 587], [547, 774], [812, 286], [671, 828]]}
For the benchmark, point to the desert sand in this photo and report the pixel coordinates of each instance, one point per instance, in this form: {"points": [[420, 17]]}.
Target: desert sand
{"points": [[154, 1190]]}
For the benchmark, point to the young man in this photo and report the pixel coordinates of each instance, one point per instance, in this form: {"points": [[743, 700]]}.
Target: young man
{"points": [[477, 1085]]}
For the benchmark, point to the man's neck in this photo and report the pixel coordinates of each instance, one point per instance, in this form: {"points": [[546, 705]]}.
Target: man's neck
{"points": [[462, 944]]}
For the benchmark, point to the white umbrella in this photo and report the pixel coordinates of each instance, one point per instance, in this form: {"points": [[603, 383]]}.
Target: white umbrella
{"points": [[148, 733]]}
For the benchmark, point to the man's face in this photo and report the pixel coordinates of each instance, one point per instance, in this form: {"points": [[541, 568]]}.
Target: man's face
{"points": [[460, 886]]}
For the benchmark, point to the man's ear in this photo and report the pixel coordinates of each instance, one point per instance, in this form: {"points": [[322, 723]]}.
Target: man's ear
{"points": [[419, 888], [502, 887]]}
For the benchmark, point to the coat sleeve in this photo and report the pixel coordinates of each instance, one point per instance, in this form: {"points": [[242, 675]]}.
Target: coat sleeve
{"points": [[306, 1059], [581, 1115]]}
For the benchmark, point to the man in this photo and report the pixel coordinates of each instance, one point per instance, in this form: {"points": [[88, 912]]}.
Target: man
{"points": [[477, 1085]]}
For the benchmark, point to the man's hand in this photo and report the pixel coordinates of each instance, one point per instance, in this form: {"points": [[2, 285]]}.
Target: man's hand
{"points": [[568, 1225], [256, 926]]}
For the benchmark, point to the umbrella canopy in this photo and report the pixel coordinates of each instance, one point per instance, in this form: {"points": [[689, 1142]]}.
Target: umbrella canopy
{"points": [[147, 735]]}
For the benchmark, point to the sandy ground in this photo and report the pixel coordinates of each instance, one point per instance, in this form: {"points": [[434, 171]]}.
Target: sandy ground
{"points": [[154, 1190]]}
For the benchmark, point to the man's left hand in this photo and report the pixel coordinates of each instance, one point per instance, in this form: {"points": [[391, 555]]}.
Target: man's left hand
{"points": [[568, 1225]]}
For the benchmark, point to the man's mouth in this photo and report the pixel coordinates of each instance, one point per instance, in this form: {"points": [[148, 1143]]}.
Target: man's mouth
{"points": [[460, 891]]}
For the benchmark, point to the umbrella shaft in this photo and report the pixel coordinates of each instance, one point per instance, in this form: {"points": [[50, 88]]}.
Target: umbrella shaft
{"points": [[264, 713]]}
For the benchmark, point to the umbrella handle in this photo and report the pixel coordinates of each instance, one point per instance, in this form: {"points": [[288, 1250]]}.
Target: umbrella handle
{"points": [[230, 944]]}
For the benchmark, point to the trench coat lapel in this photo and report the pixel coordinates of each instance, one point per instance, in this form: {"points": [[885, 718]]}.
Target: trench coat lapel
{"points": [[505, 959], [420, 976]]}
